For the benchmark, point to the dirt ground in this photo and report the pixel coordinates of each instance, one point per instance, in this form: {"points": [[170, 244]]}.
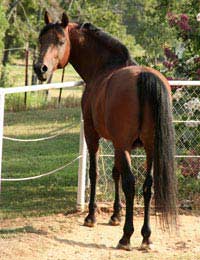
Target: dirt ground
{"points": [[60, 237]]}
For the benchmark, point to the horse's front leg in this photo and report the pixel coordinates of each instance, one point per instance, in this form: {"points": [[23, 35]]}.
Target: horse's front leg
{"points": [[92, 140]]}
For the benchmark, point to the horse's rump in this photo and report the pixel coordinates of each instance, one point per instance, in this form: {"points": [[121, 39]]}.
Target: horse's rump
{"points": [[122, 112]]}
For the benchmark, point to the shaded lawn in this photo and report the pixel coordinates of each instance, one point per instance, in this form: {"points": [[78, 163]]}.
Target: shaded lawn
{"points": [[51, 194]]}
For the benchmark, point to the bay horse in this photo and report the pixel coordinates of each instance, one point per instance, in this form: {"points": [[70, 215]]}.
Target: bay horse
{"points": [[122, 102]]}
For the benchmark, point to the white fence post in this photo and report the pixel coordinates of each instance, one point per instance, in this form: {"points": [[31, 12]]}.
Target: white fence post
{"points": [[82, 170], [2, 104]]}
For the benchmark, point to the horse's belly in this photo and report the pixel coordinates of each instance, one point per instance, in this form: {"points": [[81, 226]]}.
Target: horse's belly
{"points": [[99, 124]]}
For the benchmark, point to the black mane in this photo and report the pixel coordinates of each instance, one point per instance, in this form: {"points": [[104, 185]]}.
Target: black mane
{"points": [[120, 53]]}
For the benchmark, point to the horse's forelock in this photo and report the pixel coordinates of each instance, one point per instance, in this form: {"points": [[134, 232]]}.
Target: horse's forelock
{"points": [[49, 27]]}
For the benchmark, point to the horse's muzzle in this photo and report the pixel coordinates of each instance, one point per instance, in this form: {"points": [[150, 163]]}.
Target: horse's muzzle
{"points": [[41, 71]]}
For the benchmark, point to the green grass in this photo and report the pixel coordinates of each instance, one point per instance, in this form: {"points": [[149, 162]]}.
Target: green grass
{"points": [[39, 100], [51, 194]]}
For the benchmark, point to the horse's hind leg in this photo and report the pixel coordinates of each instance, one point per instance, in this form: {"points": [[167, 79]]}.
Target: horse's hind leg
{"points": [[146, 231], [116, 217], [122, 163]]}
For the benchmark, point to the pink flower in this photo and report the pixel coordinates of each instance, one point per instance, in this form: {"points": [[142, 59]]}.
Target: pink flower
{"points": [[172, 19], [183, 25], [179, 20], [198, 72], [197, 60], [184, 17], [170, 54], [168, 65]]}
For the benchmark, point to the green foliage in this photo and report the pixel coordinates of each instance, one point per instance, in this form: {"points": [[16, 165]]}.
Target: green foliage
{"points": [[183, 59], [143, 26], [4, 79], [3, 27], [145, 20], [104, 16], [24, 20], [188, 187]]}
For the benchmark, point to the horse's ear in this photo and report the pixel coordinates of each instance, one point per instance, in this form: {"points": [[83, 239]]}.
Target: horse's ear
{"points": [[47, 18], [64, 20]]}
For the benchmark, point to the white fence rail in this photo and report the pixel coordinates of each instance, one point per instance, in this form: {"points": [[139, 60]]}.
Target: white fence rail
{"points": [[83, 151]]}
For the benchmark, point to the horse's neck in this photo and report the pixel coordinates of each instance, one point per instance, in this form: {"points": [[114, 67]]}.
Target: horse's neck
{"points": [[84, 58]]}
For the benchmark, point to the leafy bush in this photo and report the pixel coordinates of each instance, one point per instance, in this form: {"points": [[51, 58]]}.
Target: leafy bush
{"points": [[189, 190], [182, 60]]}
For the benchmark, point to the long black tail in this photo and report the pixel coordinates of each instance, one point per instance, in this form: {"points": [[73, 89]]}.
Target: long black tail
{"points": [[152, 89]]}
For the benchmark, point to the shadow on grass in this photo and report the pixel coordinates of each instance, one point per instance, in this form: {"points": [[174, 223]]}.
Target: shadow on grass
{"points": [[37, 199], [44, 115]]}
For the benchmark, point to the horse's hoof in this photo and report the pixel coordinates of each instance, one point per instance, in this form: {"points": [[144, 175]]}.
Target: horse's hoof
{"points": [[146, 247], [114, 222], [89, 223], [124, 247]]}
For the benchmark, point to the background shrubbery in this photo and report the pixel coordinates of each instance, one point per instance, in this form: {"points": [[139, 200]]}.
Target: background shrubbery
{"points": [[161, 33]]}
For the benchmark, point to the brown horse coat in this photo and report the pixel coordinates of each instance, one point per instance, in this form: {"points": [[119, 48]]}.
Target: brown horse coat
{"points": [[122, 102]]}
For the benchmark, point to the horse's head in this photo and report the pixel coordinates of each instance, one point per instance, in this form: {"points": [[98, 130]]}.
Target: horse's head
{"points": [[54, 47]]}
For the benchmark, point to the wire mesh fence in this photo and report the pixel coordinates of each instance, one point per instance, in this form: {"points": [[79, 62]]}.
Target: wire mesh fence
{"points": [[186, 115]]}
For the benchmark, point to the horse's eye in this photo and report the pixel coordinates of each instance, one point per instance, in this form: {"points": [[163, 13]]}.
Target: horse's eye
{"points": [[61, 43]]}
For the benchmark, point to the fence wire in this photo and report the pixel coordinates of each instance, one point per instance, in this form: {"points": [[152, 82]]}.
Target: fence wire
{"points": [[186, 115]]}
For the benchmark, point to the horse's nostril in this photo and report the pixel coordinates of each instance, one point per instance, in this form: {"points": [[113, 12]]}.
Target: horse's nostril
{"points": [[44, 68]]}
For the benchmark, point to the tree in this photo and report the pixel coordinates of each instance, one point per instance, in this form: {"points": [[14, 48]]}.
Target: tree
{"points": [[146, 21], [22, 21], [103, 15], [3, 27]]}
